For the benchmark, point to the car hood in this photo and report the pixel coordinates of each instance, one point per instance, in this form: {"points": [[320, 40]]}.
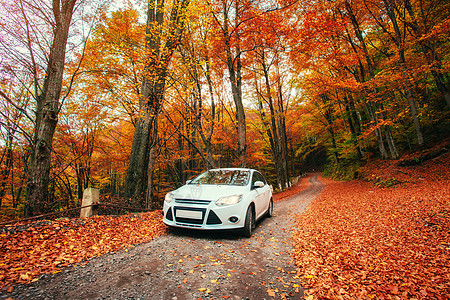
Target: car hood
{"points": [[207, 192]]}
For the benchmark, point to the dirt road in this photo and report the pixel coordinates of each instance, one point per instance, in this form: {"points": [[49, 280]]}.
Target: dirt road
{"points": [[190, 265]]}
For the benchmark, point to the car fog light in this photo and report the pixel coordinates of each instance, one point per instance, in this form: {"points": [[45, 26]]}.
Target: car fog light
{"points": [[233, 219]]}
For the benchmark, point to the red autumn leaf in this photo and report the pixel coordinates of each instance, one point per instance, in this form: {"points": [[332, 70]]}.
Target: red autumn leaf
{"points": [[65, 242], [358, 238]]}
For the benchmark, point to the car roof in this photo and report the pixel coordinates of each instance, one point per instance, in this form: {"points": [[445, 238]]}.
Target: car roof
{"points": [[232, 169]]}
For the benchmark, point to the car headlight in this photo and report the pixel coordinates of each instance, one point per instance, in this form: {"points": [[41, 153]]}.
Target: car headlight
{"points": [[169, 197], [229, 200]]}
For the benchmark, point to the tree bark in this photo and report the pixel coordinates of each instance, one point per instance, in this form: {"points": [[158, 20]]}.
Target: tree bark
{"points": [[48, 106], [283, 137], [429, 49], [372, 109], [234, 69], [276, 147], [152, 94], [390, 10]]}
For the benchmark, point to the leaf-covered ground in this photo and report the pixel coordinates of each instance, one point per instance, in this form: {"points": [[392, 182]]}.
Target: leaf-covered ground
{"points": [[301, 185], [27, 251], [385, 238]]}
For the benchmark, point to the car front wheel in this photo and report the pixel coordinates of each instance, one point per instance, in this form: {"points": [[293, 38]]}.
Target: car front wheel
{"points": [[269, 212], [249, 223]]}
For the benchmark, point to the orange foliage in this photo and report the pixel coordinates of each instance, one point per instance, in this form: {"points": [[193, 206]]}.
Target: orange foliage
{"points": [[43, 247], [361, 241]]}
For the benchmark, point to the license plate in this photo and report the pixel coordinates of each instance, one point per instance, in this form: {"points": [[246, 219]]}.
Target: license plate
{"points": [[190, 214]]}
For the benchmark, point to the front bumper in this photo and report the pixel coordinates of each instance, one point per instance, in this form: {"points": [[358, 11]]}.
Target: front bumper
{"points": [[204, 217]]}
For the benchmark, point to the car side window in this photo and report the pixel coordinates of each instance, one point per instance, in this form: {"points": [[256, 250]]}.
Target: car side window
{"points": [[257, 177], [261, 178]]}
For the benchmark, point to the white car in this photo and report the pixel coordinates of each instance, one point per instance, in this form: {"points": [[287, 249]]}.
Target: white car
{"points": [[227, 198]]}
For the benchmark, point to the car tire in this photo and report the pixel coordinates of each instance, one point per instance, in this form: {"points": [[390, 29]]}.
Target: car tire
{"points": [[269, 212], [249, 223]]}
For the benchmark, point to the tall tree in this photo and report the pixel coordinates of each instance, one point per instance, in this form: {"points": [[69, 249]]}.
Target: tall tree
{"points": [[163, 34], [43, 55], [275, 122], [229, 19], [48, 106], [373, 108], [425, 31]]}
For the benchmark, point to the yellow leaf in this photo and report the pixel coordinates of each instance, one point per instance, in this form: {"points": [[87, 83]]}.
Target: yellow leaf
{"points": [[309, 276], [271, 292], [24, 277]]}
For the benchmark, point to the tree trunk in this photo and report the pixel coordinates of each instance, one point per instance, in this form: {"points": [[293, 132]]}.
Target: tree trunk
{"points": [[272, 127], [7, 166], [48, 106], [152, 94], [390, 10], [234, 69], [372, 109], [136, 180], [428, 48], [354, 129], [200, 132], [207, 141], [149, 199], [328, 114], [283, 138]]}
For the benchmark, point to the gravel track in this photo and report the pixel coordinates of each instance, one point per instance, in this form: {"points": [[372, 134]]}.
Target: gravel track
{"points": [[187, 264]]}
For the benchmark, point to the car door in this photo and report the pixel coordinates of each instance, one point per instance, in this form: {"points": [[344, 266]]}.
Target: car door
{"points": [[261, 194]]}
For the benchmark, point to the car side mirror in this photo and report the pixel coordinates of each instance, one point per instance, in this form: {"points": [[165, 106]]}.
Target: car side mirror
{"points": [[258, 184], [188, 181]]}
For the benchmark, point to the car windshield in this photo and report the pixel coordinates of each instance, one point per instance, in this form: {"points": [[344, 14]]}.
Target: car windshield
{"points": [[223, 177]]}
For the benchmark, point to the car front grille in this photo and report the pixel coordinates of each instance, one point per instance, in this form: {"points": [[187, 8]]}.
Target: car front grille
{"points": [[184, 219], [188, 220], [192, 201]]}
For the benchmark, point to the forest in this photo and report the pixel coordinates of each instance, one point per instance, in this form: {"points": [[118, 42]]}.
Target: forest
{"points": [[135, 97]]}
